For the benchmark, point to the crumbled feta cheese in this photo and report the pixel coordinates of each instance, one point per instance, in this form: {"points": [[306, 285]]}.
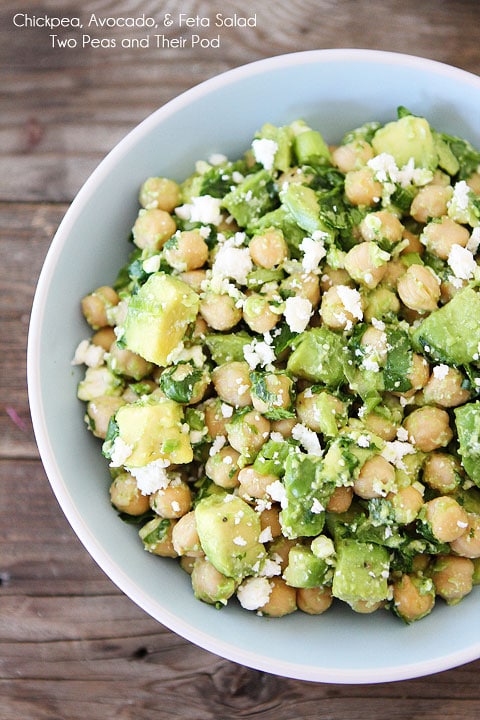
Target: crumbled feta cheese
{"points": [[363, 441], [233, 262], [226, 410], [217, 445], [474, 240], [217, 159], [317, 507], [307, 438], [152, 477], [202, 209], [462, 262], [395, 451], [402, 434], [297, 313], [313, 253], [385, 169], [266, 535], [89, 354], [264, 151], [440, 372], [151, 264], [258, 353], [378, 324], [461, 196], [120, 452], [276, 436], [277, 492], [254, 593], [351, 300], [270, 568], [239, 540], [323, 547]]}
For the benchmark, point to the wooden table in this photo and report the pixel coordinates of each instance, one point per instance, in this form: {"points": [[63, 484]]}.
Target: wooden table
{"points": [[73, 646]]}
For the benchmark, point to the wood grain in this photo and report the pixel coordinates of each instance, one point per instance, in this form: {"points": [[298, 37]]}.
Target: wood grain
{"points": [[71, 645]]}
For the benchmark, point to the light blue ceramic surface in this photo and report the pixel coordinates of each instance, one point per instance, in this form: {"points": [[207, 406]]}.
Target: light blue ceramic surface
{"points": [[333, 90]]}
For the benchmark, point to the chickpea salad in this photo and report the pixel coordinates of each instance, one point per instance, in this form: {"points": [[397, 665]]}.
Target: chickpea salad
{"points": [[284, 378]]}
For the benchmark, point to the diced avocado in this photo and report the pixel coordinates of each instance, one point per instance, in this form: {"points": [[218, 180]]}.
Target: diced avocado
{"points": [[467, 421], [99, 381], [307, 493], [446, 159], [153, 429], [158, 316], [451, 334], [306, 570], [310, 147], [361, 572], [406, 138], [257, 278], [283, 137], [319, 356], [271, 458], [302, 203], [228, 347], [229, 531], [252, 198]]}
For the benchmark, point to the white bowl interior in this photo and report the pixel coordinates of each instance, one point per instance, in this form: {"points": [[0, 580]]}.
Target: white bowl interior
{"points": [[334, 90]]}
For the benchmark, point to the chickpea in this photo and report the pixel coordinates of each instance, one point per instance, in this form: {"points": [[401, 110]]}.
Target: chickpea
{"points": [[173, 501], [394, 270], [444, 387], [439, 236], [105, 337], [468, 544], [419, 288], [333, 311], [361, 188], [474, 182], [185, 536], [159, 192], [223, 467], [186, 251], [126, 362], [366, 607], [186, 563], [412, 598], [334, 276], [418, 375], [282, 600], [270, 518], [284, 426], [431, 201], [281, 387], [280, 549], [259, 314], [382, 227], [375, 479], [446, 517], [314, 601], [268, 249], [209, 585], [452, 577], [406, 503], [321, 412], [194, 278], [249, 433], [96, 305], [126, 497], [442, 472], [99, 412], [303, 284], [374, 342], [449, 289], [232, 383], [366, 263], [200, 328], [414, 244], [340, 500], [215, 418], [352, 156], [220, 311], [157, 537], [428, 428], [153, 228], [253, 484]]}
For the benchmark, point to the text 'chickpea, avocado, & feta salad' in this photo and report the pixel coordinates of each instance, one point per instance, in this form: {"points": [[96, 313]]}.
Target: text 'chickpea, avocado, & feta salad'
{"points": [[285, 376]]}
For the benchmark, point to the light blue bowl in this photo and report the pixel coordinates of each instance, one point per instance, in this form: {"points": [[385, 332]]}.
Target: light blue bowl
{"points": [[334, 91]]}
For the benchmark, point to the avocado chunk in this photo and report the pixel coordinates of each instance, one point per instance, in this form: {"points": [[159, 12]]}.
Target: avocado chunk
{"points": [[158, 316], [306, 570], [302, 203], [451, 334], [227, 347], [153, 430], [319, 356], [467, 421], [229, 531], [406, 138], [307, 493], [310, 147], [252, 198], [361, 572]]}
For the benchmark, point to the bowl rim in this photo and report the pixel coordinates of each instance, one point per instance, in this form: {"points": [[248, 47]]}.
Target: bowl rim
{"points": [[58, 485]]}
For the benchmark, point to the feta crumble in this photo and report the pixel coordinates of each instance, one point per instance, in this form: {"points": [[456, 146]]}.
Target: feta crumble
{"points": [[233, 262], [462, 262], [89, 354], [152, 477], [264, 151], [307, 438], [297, 313], [258, 352], [254, 593]]}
